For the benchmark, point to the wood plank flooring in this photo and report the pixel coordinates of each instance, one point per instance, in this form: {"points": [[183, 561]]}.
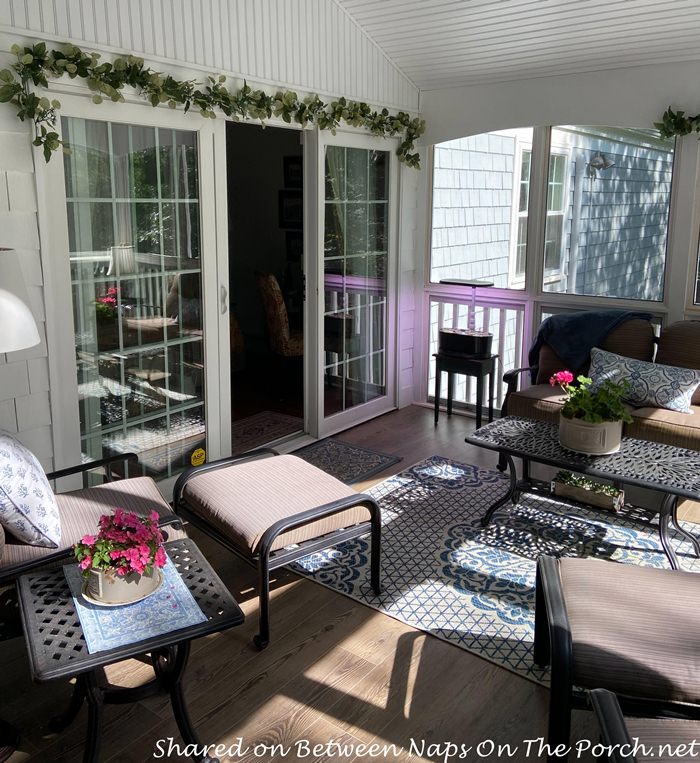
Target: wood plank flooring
{"points": [[335, 670]]}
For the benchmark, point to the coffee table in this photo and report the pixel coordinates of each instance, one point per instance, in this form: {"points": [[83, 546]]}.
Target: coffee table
{"points": [[673, 471], [57, 647]]}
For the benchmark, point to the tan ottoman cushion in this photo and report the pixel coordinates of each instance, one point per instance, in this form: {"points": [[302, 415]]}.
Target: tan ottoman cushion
{"points": [[661, 736], [635, 630], [243, 500]]}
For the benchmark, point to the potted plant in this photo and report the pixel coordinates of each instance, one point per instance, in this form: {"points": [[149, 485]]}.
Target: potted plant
{"points": [[591, 420], [106, 315], [121, 564], [581, 489]]}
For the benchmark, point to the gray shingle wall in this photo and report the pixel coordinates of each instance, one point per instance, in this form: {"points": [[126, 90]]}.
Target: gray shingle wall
{"points": [[472, 208]]}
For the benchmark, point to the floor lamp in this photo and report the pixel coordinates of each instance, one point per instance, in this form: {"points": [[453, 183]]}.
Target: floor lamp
{"points": [[18, 331]]}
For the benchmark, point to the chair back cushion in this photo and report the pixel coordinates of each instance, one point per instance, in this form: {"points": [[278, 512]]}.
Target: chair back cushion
{"points": [[633, 339], [28, 508], [679, 345]]}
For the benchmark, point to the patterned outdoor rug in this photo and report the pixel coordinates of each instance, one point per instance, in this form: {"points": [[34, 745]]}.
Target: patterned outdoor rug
{"points": [[472, 586], [261, 428], [348, 463]]}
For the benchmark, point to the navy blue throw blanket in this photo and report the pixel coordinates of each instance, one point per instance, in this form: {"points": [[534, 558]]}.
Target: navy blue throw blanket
{"points": [[572, 336]]}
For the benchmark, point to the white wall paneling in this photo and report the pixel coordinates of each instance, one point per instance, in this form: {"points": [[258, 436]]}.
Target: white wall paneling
{"points": [[309, 45]]}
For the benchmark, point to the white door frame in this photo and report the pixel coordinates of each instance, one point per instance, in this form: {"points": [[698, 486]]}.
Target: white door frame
{"points": [[214, 263], [315, 280]]}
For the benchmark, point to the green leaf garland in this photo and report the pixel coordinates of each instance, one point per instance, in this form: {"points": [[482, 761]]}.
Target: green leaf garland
{"points": [[107, 80], [677, 123]]}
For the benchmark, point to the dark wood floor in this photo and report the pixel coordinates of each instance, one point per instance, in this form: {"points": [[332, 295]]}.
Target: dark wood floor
{"points": [[335, 670]]}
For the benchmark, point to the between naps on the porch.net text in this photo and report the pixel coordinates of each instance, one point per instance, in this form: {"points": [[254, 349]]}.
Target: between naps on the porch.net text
{"points": [[442, 752]]}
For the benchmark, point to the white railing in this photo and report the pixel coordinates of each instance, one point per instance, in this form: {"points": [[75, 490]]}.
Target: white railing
{"points": [[506, 323]]}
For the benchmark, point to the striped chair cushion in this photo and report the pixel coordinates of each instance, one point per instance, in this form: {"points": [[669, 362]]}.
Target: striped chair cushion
{"points": [[635, 630], [661, 736], [80, 512], [243, 500]]}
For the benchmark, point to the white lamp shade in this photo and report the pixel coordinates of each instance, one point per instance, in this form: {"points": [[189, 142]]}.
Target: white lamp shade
{"points": [[18, 329]]}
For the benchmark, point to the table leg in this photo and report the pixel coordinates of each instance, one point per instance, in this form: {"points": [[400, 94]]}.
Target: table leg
{"points": [[665, 514], [95, 699], [60, 722], [512, 489], [438, 375], [479, 399], [450, 391], [492, 374], [685, 533], [170, 665]]}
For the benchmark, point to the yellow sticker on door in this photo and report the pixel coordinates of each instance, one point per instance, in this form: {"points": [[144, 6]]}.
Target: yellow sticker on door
{"points": [[198, 457]]}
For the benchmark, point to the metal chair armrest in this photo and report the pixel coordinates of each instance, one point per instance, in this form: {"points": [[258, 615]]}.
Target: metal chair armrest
{"points": [[611, 722], [90, 465]]}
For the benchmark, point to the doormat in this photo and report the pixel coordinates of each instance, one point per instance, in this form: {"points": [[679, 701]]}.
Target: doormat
{"points": [[474, 586], [348, 463], [261, 429]]}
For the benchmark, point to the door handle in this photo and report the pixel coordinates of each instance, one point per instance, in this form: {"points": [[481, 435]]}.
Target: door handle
{"points": [[223, 297]]}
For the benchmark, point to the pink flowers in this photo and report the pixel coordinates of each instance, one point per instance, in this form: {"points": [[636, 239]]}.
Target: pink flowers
{"points": [[110, 298], [561, 378], [125, 543]]}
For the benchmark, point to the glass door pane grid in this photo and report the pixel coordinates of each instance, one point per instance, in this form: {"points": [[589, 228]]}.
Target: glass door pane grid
{"points": [[173, 344], [355, 281]]}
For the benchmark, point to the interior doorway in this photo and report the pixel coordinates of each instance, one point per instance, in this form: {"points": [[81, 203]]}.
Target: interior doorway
{"points": [[266, 283]]}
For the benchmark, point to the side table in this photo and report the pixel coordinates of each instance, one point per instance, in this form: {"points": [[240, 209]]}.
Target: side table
{"points": [[469, 365], [57, 647]]}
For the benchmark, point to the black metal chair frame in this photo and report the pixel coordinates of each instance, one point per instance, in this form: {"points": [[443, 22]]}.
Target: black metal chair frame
{"points": [[611, 722], [554, 647], [266, 560]]}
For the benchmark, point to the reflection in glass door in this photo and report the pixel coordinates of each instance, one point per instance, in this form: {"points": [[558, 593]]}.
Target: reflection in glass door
{"points": [[134, 243], [356, 256]]}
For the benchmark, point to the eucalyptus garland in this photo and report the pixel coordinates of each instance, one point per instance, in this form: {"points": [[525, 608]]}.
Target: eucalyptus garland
{"points": [[35, 65], [677, 123]]}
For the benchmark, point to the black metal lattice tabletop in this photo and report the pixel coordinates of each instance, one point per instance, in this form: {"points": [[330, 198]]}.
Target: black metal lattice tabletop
{"points": [[52, 628], [639, 462]]}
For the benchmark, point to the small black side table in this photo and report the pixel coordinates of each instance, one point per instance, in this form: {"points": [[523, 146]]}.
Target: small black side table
{"points": [[469, 365], [57, 646]]}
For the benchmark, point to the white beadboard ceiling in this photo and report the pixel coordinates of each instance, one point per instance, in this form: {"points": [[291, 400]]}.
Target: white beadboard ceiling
{"points": [[447, 43]]}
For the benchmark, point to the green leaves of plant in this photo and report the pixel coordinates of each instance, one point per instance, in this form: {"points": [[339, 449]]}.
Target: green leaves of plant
{"points": [[107, 80]]}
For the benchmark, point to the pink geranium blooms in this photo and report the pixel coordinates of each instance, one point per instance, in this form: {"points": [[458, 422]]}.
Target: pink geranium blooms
{"points": [[561, 378], [125, 543]]}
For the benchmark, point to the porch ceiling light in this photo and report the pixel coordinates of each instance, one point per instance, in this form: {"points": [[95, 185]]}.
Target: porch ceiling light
{"points": [[18, 329]]}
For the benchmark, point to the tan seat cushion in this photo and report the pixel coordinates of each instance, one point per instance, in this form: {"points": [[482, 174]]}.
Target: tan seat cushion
{"points": [[243, 500], [661, 736], [541, 401], [669, 427], [80, 511], [635, 630]]}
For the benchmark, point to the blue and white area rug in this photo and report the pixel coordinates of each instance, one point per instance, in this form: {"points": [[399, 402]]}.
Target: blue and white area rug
{"points": [[475, 587]]}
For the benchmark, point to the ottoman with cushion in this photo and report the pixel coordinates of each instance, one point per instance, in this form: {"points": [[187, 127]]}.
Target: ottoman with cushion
{"points": [[270, 510], [629, 629]]}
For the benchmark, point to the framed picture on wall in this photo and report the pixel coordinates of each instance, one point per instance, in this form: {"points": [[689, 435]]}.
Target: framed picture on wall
{"points": [[293, 171], [291, 209], [295, 245]]}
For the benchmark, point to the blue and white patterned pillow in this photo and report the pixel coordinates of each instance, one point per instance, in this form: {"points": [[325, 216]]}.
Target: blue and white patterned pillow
{"points": [[650, 384], [28, 508]]}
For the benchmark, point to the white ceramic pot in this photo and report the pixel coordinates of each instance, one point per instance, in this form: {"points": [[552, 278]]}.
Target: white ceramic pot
{"points": [[591, 439], [112, 590]]}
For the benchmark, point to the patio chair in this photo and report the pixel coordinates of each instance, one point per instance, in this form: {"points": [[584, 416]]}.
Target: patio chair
{"points": [[630, 629], [271, 510], [79, 512], [640, 740]]}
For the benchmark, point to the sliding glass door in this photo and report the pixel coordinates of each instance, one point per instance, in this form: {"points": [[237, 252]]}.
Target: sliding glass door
{"points": [[140, 246], [357, 358]]}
